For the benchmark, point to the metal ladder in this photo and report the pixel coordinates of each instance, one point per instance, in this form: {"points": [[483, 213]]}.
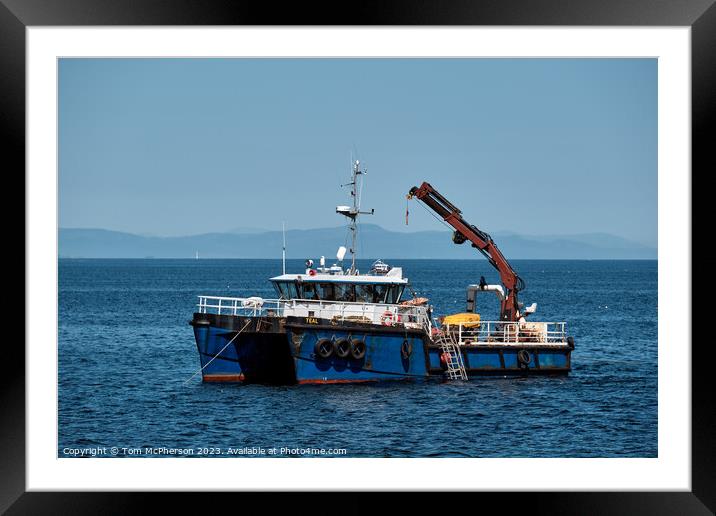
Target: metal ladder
{"points": [[455, 365]]}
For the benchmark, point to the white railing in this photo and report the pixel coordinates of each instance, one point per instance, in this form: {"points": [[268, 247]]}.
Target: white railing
{"points": [[500, 332], [374, 313], [253, 306]]}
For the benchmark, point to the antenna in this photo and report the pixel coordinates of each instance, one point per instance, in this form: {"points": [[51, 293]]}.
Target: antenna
{"points": [[283, 228], [352, 212]]}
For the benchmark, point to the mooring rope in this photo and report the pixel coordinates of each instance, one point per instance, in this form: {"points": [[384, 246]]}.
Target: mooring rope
{"points": [[219, 353]]}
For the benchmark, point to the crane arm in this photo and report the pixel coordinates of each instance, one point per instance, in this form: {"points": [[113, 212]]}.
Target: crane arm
{"points": [[479, 239]]}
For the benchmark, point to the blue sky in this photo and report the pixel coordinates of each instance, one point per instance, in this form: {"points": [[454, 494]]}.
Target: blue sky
{"points": [[186, 146]]}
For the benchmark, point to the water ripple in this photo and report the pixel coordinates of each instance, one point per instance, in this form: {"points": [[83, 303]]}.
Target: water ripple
{"points": [[125, 351]]}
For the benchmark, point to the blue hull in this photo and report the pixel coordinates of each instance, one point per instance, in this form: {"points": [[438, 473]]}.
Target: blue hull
{"points": [[503, 360], [389, 355], [219, 362], [259, 353], [285, 351]]}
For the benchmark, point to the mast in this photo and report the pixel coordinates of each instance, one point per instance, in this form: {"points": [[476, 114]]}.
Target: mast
{"points": [[352, 212], [283, 228]]}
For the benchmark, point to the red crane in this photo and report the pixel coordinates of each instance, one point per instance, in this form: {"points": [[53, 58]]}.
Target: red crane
{"points": [[510, 307]]}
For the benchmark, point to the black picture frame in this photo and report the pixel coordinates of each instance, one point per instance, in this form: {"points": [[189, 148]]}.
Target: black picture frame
{"points": [[700, 15]]}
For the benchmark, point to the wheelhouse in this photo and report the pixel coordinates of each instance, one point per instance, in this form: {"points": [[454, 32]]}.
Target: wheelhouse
{"points": [[341, 288]]}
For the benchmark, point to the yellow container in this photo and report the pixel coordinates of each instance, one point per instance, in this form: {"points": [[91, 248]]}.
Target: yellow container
{"points": [[467, 320]]}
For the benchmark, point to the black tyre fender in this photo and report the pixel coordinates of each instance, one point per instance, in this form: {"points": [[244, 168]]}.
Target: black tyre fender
{"points": [[570, 342], [323, 348], [342, 348], [357, 349], [524, 358], [406, 349]]}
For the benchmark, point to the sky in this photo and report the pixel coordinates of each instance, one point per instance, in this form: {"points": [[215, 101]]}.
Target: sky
{"points": [[173, 147]]}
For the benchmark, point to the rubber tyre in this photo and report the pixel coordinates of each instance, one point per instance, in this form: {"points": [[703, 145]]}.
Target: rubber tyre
{"points": [[324, 348], [342, 348], [570, 342], [357, 349], [406, 349], [524, 358]]}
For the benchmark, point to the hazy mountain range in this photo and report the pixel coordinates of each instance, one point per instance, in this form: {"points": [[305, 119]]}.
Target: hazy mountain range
{"points": [[374, 242]]}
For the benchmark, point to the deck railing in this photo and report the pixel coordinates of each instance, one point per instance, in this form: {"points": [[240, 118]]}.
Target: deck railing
{"points": [[466, 334], [253, 306], [500, 332], [375, 313]]}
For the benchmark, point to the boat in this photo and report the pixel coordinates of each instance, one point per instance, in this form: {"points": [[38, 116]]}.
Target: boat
{"points": [[334, 324]]}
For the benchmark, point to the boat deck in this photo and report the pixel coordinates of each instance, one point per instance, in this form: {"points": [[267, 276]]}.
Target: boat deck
{"points": [[483, 334]]}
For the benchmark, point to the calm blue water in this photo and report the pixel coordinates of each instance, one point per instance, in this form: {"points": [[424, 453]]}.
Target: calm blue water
{"points": [[126, 351]]}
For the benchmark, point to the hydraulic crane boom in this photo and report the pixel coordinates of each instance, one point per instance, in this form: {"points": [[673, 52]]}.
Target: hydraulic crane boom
{"points": [[509, 309]]}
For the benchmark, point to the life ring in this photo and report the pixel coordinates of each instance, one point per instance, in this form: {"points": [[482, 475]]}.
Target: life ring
{"points": [[311, 272], [389, 318], [323, 348], [342, 348], [357, 349], [524, 358], [406, 349]]}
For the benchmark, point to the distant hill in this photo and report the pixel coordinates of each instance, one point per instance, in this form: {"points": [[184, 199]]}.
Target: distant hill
{"points": [[374, 242]]}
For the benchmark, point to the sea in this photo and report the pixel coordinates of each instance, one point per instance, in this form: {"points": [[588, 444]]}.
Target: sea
{"points": [[127, 364]]}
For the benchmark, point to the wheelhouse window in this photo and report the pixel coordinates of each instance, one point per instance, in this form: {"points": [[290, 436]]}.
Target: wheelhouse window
{"points": [[286, 289], [345, 292], [371, 293], [334, 291], [308, 291], [326, 291], [394, 293]]}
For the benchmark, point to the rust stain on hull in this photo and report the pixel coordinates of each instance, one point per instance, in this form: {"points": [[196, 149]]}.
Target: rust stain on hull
{"points": [[321, 382], [217, 378]]}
